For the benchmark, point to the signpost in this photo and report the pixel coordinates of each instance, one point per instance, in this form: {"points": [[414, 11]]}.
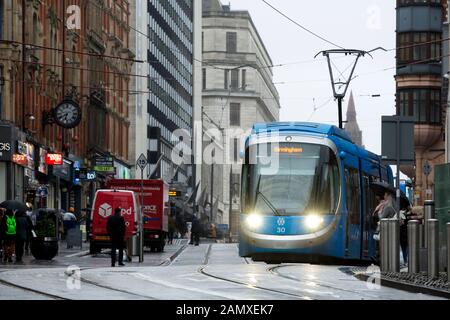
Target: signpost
{"points": [[398, 144], [142, 163]]}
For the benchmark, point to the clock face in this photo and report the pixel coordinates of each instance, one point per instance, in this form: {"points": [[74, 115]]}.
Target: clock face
{"points": [[67, 114]]}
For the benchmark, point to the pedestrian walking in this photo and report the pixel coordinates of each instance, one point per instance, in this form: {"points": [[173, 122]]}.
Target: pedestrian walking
{"points": [[29, 213], [8, 231], [116, 231], [23, 229], [2, 214], [196, 229], [171, 228]]}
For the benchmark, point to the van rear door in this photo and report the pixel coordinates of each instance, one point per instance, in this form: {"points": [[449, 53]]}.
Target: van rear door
{"points": [[105, 204]]}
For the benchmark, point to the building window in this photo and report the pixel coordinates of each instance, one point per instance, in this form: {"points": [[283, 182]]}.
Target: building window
{"points": [[244, 79], [226, 86], [410, 48], [402, 3], [1, 20], [235, 185], [423, 104], [234, 79], [231, 42], [204, 78], [236, 150], [235, 114]]}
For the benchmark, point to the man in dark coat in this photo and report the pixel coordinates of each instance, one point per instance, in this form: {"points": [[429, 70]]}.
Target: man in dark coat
{"points": [[196, 229], [116, 231], [23, 229]]}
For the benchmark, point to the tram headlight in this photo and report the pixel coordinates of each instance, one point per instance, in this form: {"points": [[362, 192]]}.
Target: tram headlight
{"points": [[313, 222], [254, 221]]}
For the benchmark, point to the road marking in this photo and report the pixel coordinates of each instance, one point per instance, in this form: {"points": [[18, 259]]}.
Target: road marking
{"points": [[82, 253], [180, 286]]}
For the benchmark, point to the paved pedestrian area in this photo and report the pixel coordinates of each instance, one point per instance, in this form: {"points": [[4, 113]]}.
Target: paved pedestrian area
{"points": [[209, 271]]}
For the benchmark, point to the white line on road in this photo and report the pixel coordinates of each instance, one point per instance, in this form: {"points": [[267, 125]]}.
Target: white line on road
{"points": [[78, 254]]}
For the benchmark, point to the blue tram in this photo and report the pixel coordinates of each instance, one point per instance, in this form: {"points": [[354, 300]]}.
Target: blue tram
{"points": [[306, 195]]}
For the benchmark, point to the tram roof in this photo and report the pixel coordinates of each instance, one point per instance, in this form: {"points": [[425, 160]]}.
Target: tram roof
{"points": [[315, 128], [311, 127]]}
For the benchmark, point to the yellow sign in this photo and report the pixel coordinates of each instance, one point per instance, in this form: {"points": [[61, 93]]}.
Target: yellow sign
{"points": [[288, 150]]}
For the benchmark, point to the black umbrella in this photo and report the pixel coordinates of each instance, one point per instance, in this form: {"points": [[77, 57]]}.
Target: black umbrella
{"points": [[14, 205], [381, 187]]}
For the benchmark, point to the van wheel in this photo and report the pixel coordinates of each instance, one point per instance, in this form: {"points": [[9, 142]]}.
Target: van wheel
{"points": [[160, 247], [94, 249]]}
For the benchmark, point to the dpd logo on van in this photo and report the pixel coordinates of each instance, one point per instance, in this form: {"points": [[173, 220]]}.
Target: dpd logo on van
{"points": [[105, 210]]}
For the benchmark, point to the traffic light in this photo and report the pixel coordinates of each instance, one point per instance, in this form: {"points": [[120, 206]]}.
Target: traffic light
{"points": [[174, 193]]}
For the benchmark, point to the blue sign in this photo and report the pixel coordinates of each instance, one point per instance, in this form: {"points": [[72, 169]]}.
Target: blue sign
{"points": [[222, 227], [42, 191]]}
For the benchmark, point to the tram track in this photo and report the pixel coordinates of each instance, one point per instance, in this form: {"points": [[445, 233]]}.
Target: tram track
{"points": [[202, 270], [38, 292], [275, 271]]}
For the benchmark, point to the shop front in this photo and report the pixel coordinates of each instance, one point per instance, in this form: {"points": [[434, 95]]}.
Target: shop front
{"points": [[7, 146], [62, 178]]}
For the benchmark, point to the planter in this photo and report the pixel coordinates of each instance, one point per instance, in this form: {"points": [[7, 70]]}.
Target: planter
{"points": [[44, 248]]}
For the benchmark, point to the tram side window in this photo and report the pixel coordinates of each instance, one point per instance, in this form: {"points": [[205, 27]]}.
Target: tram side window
{"points": [[370, 200], [352, 191]]}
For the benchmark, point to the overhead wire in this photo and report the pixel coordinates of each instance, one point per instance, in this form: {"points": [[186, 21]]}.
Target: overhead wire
{"points": [[301, 26]]}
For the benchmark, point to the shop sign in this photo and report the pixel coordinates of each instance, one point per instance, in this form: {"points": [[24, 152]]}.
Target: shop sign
{"points": [[87, 175], [27, 149], [6, 143], [42, 191], [104, 165], [42, 161], [20, 159], [63, 171], [54, 159]]}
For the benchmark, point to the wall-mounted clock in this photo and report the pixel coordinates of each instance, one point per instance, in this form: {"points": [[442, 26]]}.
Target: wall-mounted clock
{"points": [[67, 114]]}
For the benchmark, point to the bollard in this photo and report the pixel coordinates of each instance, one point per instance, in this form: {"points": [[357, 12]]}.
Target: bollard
{"points": [[394, 245], [448, 252], [428, 214], [433, 248], [413, 247], [422, 235], [384, 244]]}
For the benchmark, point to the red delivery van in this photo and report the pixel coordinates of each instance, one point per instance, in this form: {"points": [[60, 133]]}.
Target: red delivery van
{"points": [[105, 203], [155, 208]]}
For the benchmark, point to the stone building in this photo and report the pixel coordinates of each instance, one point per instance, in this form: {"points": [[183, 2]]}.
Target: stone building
{"points": [[55, 50], [238, 91], [420, 86]]}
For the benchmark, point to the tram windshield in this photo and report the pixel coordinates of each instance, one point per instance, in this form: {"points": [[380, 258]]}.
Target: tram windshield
{"points": [[290, 179]]}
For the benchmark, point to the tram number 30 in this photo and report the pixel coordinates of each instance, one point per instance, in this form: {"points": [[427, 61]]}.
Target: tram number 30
{"points": [[281, 230]]}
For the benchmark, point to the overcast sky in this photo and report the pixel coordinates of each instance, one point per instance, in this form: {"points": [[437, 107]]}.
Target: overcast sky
{"points": [[356, 24]]}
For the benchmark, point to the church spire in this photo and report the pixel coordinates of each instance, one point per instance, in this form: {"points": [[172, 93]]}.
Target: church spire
{"points": [[351, 126], [351, 110]]}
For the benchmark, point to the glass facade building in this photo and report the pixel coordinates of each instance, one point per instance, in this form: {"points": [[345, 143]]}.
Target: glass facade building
{"points": [[170, 105]]}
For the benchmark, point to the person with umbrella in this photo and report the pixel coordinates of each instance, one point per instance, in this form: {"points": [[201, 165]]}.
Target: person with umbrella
{"points": [[23, 230], [2, 213], [8, 231]]}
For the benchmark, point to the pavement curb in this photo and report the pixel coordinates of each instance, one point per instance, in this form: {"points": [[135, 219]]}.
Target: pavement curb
{"points": [[405, 286]]}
